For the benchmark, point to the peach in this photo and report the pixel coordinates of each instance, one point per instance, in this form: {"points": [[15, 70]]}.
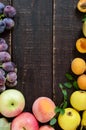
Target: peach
{"points": [[46, 127], [43, 109]]}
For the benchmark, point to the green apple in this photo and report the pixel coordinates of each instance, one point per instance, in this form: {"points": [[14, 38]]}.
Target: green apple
{"points": [[4, 124], [70, 120], [78, 100], [7, 126], [12, 103]]}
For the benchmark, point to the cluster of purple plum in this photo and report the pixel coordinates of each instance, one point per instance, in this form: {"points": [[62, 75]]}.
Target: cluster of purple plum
{"points": [[8, 70], [7, 14]]}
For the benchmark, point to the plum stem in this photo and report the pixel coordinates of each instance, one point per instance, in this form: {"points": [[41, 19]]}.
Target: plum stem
{"points": [[0, 65], [2, 16]]}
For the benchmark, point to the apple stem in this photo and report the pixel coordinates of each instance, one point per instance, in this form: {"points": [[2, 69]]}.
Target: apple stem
{"points": [[24, 128], [81, 127]]}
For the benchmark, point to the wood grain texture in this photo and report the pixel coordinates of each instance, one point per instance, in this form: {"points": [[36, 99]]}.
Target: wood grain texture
{"points": [[32, 48], [68, 24], [67, 31], [42, 45]]}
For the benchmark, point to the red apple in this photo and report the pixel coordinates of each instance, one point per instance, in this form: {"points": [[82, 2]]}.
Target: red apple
{"points": [[25, 121], [12, 103]]}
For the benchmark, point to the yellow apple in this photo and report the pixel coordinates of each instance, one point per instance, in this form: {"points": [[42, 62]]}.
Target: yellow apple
{"points": [[78, 100], [70, 120]]}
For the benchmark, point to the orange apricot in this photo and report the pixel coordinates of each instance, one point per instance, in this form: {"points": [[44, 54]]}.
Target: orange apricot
{"points": [[43, 109], [81, 45], [81, 5], [81, 81], [46, 127], [78, 66]]}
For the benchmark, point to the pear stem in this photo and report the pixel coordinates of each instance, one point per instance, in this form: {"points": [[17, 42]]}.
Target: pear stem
{"points": [[81, 127]]}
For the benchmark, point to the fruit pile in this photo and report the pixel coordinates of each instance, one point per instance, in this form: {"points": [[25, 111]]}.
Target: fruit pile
{"points": [[12, 105], [45, 114], [7, 14], [75, 116], [8, 70], [12, 101]]}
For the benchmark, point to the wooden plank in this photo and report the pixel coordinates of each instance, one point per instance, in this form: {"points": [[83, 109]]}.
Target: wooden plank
{"points": [[32, 48], [67, 30]]}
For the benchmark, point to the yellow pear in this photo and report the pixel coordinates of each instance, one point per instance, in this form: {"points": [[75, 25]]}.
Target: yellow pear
{"points": [[84, 28], [70, 120], [78, 100], [72, 129], [83, 121]]}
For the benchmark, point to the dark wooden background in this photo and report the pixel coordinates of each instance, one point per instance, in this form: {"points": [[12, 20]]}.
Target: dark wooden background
{"points": [[42, 45]]}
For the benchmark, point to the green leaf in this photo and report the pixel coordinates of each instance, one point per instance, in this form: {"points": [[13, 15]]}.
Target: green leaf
{"points": [[64, 104], [68, 84], [61, 86], [84, 18], [75, 85], [69, 76], [62, 111], [57, 109], [53, 121], [64, 93]]}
